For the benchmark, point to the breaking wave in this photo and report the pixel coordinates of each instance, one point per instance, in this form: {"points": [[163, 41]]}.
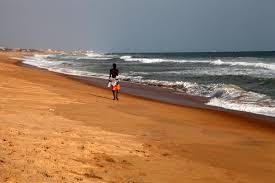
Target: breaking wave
{"points": [[269, 66], [156, 60], [250, 64]]}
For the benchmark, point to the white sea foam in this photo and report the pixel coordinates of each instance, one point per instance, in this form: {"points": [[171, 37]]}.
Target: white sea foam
{"points": [[225, 96], [143, 60], [213, 71], [58, 66], [94, 55], [128, 58], [75, 72], [270, 66], [94, 58], [125, 57], [250, 64], [235, 98], [252, 108], [41, 56], [40, 61]]}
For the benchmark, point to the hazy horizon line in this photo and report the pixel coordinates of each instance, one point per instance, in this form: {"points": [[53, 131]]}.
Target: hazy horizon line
{"points": [[129, 52]]}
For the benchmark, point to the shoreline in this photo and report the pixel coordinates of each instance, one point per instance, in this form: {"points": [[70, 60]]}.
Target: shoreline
{"points": [[57, 129], [164, 95]]}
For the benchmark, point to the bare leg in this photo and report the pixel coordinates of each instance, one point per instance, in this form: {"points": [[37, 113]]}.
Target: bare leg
{"points": [[114, 95], [117, 95]]}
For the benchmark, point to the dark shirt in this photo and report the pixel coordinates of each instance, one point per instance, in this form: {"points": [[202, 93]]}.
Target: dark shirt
{"points": [[113, 73]]}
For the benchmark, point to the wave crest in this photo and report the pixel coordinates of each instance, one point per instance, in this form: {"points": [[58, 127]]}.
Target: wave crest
{"points": [[269, 66], [249, 64]]}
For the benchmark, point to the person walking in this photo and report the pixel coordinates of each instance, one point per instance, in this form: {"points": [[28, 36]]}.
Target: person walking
{"points": [[114, 82]]}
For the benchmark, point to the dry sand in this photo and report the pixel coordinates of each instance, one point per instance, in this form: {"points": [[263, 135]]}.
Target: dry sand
{"points": [[54, 129]]}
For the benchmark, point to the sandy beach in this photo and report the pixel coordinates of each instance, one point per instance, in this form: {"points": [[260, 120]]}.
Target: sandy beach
{"points": [[56, 129]]}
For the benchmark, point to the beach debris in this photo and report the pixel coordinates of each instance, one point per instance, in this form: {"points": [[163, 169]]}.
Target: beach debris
{"points": [[109, 159], [166, 154], [46, 174], [90, 174], [51, 110], [78, 178]]}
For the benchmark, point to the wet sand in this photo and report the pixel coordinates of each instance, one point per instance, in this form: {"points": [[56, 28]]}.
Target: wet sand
{"points": [[56, 129]]}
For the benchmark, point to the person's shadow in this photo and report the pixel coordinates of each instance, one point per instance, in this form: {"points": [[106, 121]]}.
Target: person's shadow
{"points": [[100, 96]]}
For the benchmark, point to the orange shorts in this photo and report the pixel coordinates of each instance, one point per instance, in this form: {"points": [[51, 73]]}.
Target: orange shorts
{"points": [[116, 87]]}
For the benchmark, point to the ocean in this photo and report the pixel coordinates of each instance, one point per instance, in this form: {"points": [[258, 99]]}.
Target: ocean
{"points": [[242, 81]]}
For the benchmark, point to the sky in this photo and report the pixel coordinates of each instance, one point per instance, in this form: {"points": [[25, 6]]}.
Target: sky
{"points": [[139, 25]]}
